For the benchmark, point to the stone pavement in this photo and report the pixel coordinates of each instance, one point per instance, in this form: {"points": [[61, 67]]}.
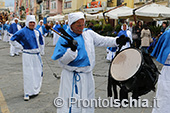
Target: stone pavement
{"points": [[11, 84]]}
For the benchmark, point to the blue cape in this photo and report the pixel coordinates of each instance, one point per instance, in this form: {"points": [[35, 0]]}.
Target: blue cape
{"points": [[13, 28], [81, 60], [162, 48], [44, 30], [122, 32], [65, 26], [26, 37], [6, 27], [56, 27]]}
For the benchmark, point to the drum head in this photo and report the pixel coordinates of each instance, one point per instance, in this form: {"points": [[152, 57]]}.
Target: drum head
{"points": [[126, 64]]}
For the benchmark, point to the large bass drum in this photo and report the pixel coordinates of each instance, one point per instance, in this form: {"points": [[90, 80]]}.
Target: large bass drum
{"points": [[135, 71]]}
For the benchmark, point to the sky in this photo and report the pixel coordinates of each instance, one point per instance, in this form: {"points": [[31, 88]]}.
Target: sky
{"points": [[9, 2]]}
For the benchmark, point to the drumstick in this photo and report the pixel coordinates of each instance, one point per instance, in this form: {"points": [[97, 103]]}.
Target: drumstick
{"points": [[49, 27]]}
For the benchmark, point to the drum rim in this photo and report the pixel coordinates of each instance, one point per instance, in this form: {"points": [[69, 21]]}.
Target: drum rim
{"points": [[140, 67]]}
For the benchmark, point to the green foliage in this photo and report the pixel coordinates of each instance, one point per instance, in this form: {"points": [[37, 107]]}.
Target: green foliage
{"points": [[97, 28], [107, 29], [93, 21], [155, 30], [118, 28]]}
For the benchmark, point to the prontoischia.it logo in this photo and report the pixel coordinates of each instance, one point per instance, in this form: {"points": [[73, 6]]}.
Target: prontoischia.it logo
{"points": [[104, 103]]}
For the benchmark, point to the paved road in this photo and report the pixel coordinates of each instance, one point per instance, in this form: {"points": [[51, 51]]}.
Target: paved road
{"points": [[11, 84]]}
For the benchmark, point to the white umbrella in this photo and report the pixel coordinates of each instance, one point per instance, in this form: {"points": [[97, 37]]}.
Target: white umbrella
{"points": [[148, 11], [58, 17], [113, 14], [90, 16], [100, 16], [51, 18], [154, 10]]}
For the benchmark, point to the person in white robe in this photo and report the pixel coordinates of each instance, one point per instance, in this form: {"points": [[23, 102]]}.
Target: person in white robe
{"points": [[65, 26], [31, 40], [14, 27], [6, 30], [1, 28], [126, 33], [77, 62], [162, 54], [55, 35], [43, 31], [111, 52]]}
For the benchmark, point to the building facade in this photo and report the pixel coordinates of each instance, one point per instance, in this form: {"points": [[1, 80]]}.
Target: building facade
{"points": [[56, 7], [2, 3]]}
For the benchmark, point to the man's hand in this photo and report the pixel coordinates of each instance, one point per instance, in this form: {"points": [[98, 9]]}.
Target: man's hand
{"points": [[48, 26], [122, 40], [72, 44]]}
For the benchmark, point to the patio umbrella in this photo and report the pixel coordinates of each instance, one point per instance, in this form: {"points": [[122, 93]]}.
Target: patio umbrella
{"points": [[113, 14], [90, 16], [149, 11]]}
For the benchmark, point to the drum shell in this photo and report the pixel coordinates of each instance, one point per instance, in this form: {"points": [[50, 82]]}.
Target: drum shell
{"points": [[138, 78]]}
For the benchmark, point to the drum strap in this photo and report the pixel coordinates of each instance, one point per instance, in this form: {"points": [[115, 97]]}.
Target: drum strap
{"points": [[123, 93], [112, 84]]}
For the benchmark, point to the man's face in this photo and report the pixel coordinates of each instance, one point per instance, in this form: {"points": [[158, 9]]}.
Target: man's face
{"points": [[66, 23], [78, 26], [41, 23], [31, 25], [16, 21], [130, 24], [124, 27], [163, 25]]}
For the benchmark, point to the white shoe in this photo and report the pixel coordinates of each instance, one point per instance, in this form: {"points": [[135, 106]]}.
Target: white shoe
{"points": [[12, 55], [26, 97], [17, 54]]}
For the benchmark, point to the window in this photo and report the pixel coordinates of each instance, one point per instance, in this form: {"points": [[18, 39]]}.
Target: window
{"points": [[67, 4], [53, 5]]}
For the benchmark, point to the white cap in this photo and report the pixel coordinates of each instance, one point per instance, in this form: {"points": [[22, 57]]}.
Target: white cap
{"points": [[30, 18], [40, 21], [16, 19], [73, 17]]}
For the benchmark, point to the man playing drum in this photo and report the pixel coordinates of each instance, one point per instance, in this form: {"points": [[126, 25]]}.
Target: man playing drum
{"points": [[78, 61]]}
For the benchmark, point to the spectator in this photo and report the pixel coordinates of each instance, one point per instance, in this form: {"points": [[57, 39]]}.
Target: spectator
{"points": [[146, 38]]}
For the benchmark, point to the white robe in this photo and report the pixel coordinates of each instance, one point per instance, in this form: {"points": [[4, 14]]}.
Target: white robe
{"points": [[6, 37], [55, 38], [32, 73], [32, 68], [129, 34], [17, 49], [110, 55], [163, 91], [86, 85], [43, 46]]}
